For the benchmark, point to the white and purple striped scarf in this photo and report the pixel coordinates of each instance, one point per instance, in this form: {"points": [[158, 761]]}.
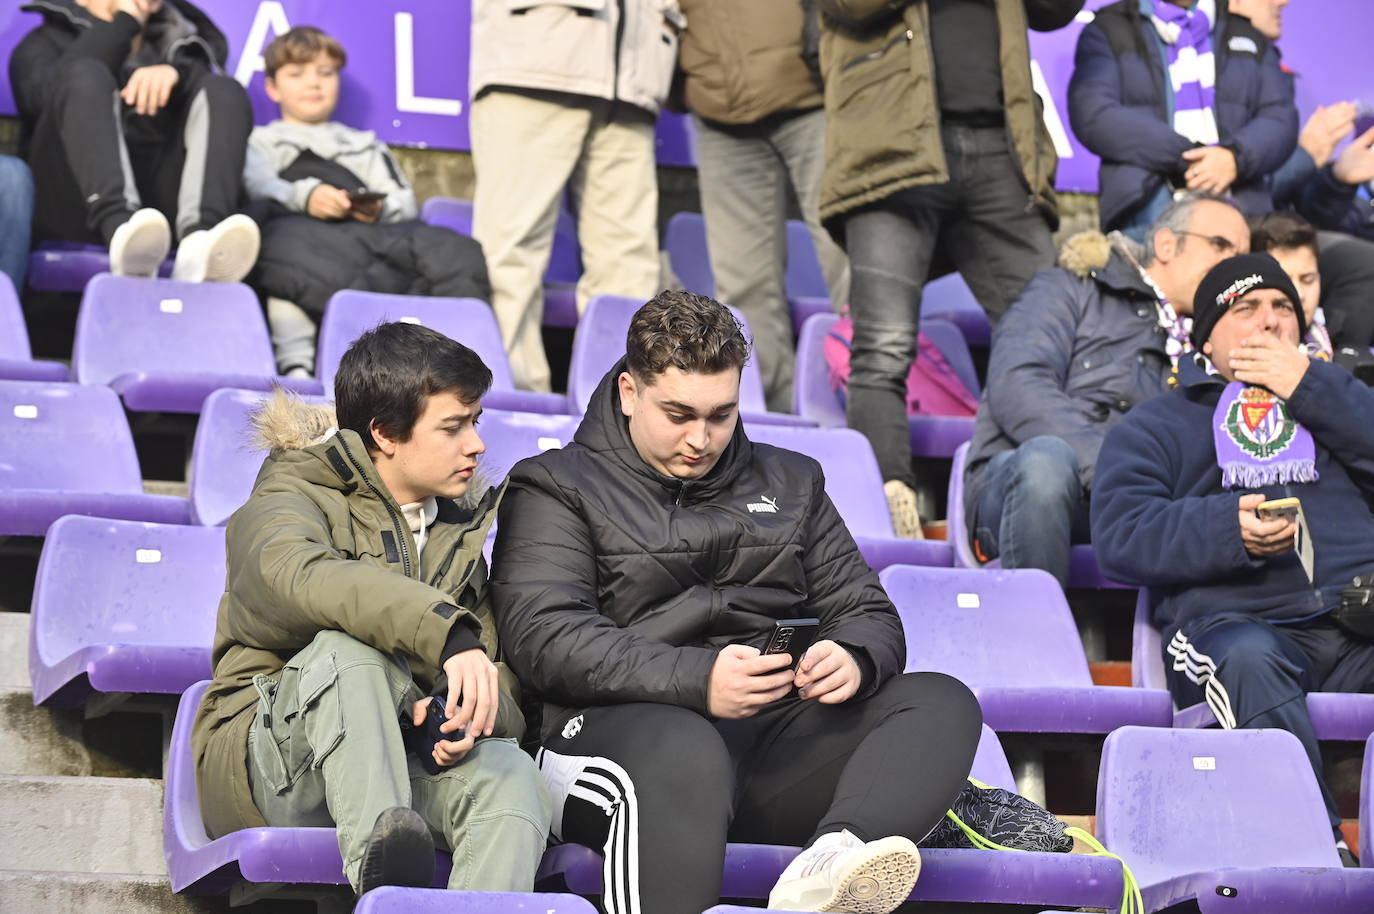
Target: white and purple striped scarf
{"points": [[1187, 33]]}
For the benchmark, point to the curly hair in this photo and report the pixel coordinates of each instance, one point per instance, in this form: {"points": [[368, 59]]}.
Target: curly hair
{"points": [[695, 333]]}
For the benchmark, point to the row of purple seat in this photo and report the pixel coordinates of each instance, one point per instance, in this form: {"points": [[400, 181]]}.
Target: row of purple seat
{"points": [[1179, 806]]}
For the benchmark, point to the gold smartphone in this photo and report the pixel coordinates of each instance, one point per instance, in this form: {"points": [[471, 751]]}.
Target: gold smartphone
{"points": [[1279, 509]]}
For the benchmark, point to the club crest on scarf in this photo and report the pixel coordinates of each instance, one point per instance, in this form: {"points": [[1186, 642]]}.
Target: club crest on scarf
{"points": [[1259, 424], [1258, 441]]}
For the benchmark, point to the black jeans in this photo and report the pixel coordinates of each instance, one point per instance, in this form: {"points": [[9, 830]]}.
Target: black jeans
{"points": [[95, 161], [659, 788], [985, 220]]}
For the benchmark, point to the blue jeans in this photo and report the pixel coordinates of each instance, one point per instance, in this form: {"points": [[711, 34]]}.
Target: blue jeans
{"points": [[1031, 507], [16, 216]]}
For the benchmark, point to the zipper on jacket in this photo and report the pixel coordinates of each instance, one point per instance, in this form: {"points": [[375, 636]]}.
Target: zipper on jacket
{"points": [[395, 516], [681, 491], [874, 55]]}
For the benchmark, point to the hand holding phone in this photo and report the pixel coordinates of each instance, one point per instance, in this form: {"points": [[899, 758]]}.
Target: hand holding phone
{"points": [[420, 738], [1279, 509], [792, 637]]}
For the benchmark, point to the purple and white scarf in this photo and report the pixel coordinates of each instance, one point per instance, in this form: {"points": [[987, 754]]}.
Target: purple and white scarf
{"points": [[1187, 34], [1258, 441]]}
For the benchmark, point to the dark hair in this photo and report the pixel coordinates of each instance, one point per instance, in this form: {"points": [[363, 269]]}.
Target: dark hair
{"points": [[389, 371], [1176, 218], [693, 332], [1273, 231], [301, 45]]}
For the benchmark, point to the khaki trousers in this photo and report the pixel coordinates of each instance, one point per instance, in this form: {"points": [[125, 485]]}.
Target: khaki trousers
{"points": [[526, 147], [325, 749]]}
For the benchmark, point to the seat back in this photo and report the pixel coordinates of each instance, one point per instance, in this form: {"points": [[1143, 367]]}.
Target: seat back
{"points": [[54, 433], [852, 478], [113, 582], [805, 278], [1147, 660], [448, 212], [127, 324], [956, 523], [988, 627], [1173, 802], [1367, 805], [685, 241], [351, 313], [511, 437], [599, 342], [14, 335], [397, 900], [565, 262], [183, 829], [990, 763], [225, 459]]}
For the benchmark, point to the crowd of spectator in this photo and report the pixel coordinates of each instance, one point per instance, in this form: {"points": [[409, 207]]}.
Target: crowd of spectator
{"points": [[1149, 386]]}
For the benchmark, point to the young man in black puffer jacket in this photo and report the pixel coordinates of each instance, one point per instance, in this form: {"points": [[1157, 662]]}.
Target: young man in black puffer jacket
{"points": [[638, 573]]}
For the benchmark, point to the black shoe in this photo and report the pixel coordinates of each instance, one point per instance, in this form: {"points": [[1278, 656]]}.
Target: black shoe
{"points": [[1348, 857], [399, 851]]}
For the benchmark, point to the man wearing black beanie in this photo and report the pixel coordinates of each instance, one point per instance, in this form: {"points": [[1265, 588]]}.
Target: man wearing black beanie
{"points": [[1246, 601]]}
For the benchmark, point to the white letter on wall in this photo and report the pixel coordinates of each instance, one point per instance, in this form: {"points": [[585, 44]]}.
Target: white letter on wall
{"points": [[270, 15], [406, 99]]}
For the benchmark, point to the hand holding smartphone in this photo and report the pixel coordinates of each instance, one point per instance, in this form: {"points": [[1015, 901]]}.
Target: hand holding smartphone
{"points": [[421, 738], [1279, 509], [792, 636]]}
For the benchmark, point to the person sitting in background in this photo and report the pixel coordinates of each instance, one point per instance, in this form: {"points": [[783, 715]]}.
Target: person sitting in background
{"points": [[16, 216], [356, 590], [174, 139], [336, 211], [1224, 121], [1245, 608], [1083, 344], [1292, 241]]}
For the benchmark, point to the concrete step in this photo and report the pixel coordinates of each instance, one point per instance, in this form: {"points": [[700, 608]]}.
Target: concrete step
{"points": [[14, 650], [37, 892], [62, 742], [82, 825]]}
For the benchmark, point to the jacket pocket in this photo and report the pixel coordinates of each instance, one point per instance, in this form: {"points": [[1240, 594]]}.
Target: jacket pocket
{"points": [[869, 107]]}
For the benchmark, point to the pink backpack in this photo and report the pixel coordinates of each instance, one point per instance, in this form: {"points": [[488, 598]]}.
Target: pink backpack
{"points": [[932, 387]]}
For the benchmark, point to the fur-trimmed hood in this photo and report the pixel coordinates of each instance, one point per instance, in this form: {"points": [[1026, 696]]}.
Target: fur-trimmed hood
{"points": [[1107, 259]]}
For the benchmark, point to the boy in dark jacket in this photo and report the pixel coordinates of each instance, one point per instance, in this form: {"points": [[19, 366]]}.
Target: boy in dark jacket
{"points": [[638, 574], [173, 139], [1084, 343], [356, 589], [1246, 626], [1228, 125]]}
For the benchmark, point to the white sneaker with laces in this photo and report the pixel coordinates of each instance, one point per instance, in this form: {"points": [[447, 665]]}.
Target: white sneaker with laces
{"points": [[138, 247], [843, 874], [224, 253]]}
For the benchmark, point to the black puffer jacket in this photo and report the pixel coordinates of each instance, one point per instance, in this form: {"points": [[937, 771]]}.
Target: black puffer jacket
{"points": [[614, 583]]}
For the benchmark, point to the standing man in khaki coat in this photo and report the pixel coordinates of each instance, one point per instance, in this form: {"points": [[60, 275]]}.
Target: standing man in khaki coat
{"points": [[566, 95], [760, 132], [934, 143], [356, 589]]}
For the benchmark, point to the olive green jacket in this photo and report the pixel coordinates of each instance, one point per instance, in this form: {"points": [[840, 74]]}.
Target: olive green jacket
{"points": [[882, 111], [321, 545]]}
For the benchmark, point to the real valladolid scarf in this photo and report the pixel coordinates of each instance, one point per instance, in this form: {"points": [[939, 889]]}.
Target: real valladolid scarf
{"points": [[1187, 34], [1258, 441]]}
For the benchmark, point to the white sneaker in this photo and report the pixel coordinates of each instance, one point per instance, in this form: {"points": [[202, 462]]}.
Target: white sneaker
{"points": [[139, 246], [841, 873], [902, 505], [224, 253]]}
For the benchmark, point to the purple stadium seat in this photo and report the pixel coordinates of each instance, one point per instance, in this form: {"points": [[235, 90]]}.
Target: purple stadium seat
{"points": [[511, 437], [684, 240], [16, 359], [164, 346], [565, 261], [122, 606], [1083, 569], [949, 298], [200, 865], [856, 487], [224, 459], [600, 341], [1009, 635], [1335, 715], [66, 266], [1367, 805], [55, 433], [470, 321], [814, 397], [947, 875], [395, 900], [1230, 818]]}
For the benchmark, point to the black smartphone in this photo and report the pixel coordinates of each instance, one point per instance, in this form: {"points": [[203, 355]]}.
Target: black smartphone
{"points": [[421, 739], [365, 197], [792, 636]]}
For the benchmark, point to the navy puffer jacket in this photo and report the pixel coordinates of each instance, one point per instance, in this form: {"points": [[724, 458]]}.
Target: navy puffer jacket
{"points": [[1121, 107]]}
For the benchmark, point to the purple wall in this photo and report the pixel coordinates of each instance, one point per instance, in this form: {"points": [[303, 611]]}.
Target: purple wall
{"points": [[407, 71]]}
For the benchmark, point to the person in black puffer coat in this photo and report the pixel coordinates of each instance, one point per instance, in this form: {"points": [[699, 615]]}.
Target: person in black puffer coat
{"points": [[638, 573]]}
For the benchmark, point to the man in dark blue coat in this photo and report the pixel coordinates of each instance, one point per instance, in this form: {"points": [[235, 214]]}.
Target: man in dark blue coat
{"points": [[1245, 609], [1179, 95], [1082, 345]]}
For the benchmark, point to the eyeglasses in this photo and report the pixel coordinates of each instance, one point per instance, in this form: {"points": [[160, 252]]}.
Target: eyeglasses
{"points": [[1222, 245]]}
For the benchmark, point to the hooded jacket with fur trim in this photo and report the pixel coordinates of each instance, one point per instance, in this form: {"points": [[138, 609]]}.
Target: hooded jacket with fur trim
{"points": [[615, 583], [321, 545], [1080, 347]]}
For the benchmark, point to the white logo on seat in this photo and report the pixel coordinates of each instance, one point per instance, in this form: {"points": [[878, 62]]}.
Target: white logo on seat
{"points": [[572, 727], [764, 505]]}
